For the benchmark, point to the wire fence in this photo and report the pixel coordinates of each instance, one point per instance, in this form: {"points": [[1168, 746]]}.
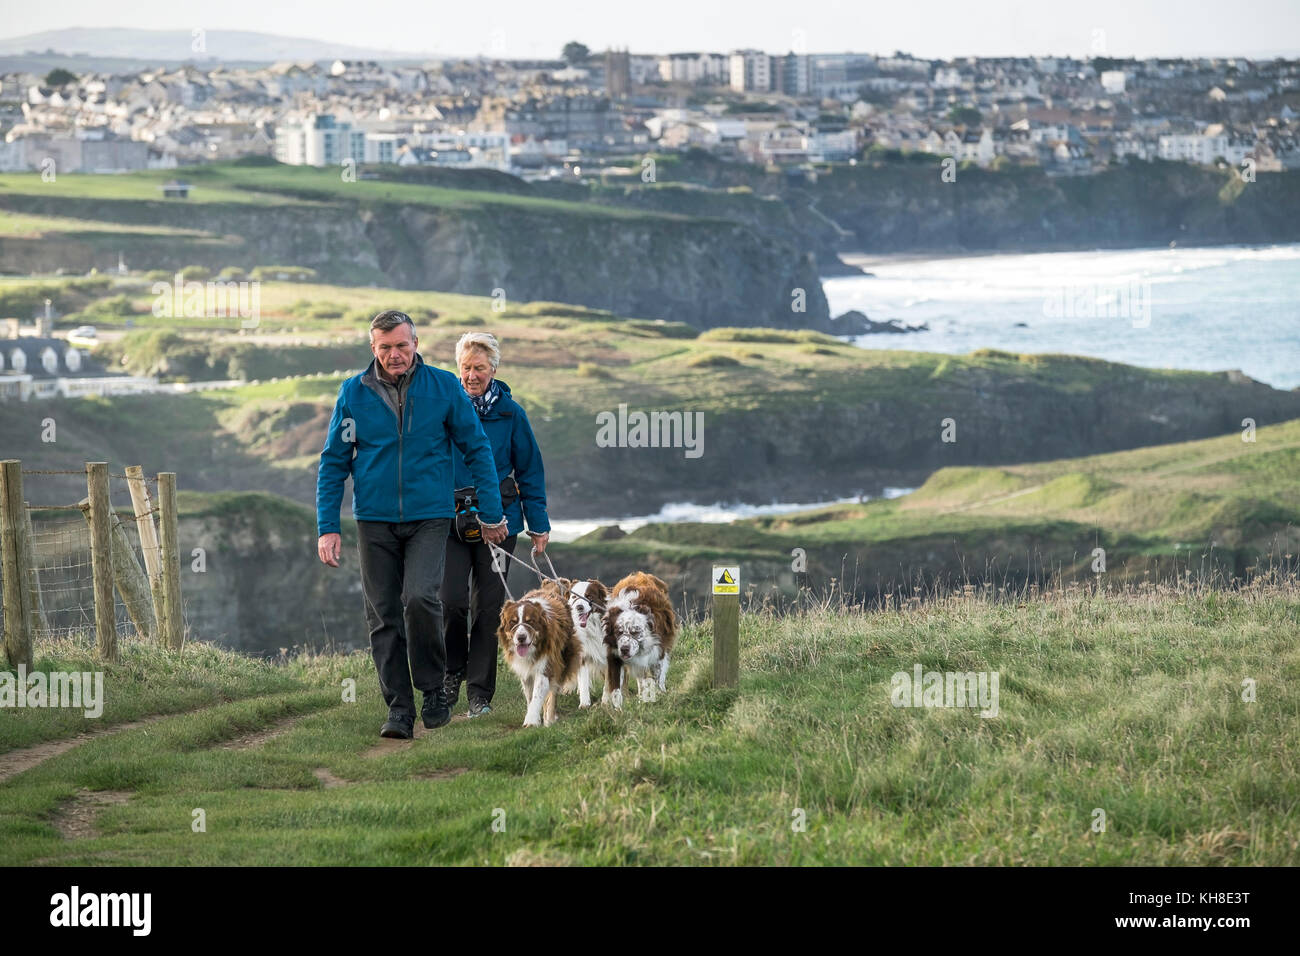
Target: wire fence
{"points": [[51, 546], [63, 567]]}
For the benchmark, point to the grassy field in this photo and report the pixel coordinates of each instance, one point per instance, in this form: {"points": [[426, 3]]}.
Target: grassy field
{"points": [[1129, 702], [1215, 507], [260, 184]]}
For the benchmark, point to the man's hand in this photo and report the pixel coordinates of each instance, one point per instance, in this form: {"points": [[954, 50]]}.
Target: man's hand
{"points": [[328, 547], [495, 533], [539, 541]]}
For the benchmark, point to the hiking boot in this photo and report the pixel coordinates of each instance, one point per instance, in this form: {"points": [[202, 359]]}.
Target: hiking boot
{"points": [[451, 687], [435, 710], [478, 707], [399, 725]]}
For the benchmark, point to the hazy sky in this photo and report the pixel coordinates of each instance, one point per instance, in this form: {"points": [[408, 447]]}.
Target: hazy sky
{"points": [[925, 28]]}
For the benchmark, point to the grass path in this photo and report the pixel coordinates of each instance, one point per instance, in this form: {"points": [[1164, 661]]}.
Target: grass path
{"points": [[1131, 703]]}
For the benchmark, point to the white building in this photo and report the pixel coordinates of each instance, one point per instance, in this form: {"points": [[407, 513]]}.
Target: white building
{"points": [[1214, 142], [1114, 81], [751, 70], [701, 68], [319, 141], [13, 156], [383, 147], [836, 147], [47, 367]]}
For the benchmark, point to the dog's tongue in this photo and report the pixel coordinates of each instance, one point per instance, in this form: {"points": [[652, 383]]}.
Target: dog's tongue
{"points": [[582, 618], [521, 650]]}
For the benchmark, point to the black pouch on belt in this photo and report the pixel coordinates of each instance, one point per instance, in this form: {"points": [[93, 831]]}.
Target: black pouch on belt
{"points": [[509, 491], [466, 522]]}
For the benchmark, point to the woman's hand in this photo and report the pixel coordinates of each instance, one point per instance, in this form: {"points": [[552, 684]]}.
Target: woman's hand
{"points": [[539, 541]]}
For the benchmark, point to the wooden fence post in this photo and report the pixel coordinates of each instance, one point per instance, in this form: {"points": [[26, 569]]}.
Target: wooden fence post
{"points": [[726, 626], [40, 623], [101, 559], [128, 577], [148, 534], [18, 634], [172, 626]]}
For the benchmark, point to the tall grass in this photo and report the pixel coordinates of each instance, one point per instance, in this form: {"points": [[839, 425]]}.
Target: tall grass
{"points": [[1131, 701]]}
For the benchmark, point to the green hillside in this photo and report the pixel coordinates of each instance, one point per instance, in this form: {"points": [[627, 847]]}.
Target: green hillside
{"points": [[1129, 703], [1217, 508]]}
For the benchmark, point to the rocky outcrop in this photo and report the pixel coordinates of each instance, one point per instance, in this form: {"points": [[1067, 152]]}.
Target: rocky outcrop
{"points": [[703, 271], [854, 322]]}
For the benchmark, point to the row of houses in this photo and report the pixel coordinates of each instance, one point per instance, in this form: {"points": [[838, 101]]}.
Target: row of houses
{"points": [[519, 115], [43, 367]]}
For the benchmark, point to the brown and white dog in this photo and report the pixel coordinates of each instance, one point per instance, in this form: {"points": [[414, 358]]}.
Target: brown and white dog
{"points": [[586, 601], [640, 629], [537, 637]]}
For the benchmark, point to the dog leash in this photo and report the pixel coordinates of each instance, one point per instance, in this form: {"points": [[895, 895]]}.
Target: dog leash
{"points": [[542, 575], [498, 569]]}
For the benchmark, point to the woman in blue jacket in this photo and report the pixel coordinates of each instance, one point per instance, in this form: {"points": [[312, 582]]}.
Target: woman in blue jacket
{"points": [[472, 645]]}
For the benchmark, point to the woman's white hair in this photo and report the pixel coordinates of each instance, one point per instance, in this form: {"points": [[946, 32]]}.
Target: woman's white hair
{"points": [[479, 340]]}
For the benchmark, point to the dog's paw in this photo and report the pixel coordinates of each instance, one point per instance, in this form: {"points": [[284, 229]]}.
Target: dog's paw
{"points": [[584, 706], [532, 723]]}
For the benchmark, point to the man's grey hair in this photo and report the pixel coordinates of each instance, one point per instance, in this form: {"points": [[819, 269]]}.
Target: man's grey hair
{"points": [[391, 319], [479, 340]]}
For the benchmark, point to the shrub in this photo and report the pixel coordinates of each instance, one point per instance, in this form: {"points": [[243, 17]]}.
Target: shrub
{"points": [[711, 360], [659, 327], [287, 273], [196, 272], [782, 336], [592, 370], [116, 305]]}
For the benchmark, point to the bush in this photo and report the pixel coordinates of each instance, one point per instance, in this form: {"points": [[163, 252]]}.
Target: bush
{"points": [[660, 328], [287, 273], [232, 274], [116, 305], [781, 336], [711, 360], [592, 370], [196, 272]]}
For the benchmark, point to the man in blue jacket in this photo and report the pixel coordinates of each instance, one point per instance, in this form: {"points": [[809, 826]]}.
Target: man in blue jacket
{"points": [[392, 430]]}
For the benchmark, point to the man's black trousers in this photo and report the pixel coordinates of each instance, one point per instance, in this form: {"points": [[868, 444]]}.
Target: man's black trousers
{"points": [[401, 575]]}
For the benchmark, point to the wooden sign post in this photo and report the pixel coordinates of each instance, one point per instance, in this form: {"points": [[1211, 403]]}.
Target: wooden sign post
{"points": [[726, 626]]}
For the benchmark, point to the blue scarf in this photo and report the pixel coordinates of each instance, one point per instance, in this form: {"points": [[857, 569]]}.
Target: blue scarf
{"points": [[483, 403]]}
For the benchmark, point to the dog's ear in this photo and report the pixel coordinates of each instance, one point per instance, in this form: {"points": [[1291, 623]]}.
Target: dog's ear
{"points": [[611, 627], [507, 615], [662, 587], [597, 592]]}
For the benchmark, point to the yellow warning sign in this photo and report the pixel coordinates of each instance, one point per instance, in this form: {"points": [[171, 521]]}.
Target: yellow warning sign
{"points": [[726, 579]]}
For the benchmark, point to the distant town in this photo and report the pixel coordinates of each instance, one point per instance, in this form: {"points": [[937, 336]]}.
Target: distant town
{"points": [[578, 114]]}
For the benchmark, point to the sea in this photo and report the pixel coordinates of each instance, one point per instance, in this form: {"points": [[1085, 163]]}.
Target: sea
{"points": [[1205, 309]]}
